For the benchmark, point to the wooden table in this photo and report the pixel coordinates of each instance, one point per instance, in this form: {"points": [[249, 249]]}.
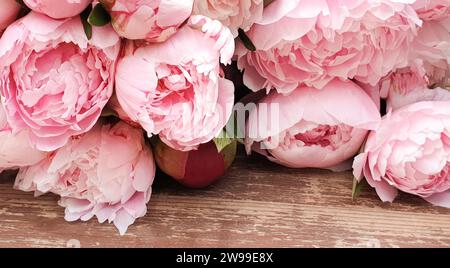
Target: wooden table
{"points": [[257, 204]]}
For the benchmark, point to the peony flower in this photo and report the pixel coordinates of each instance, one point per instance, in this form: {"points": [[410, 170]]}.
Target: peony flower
{"points": [[409, 85], [432, 47], [429, 68], [410, 152], [58, 9], [174, 88], [54, 80], [107, 172], [310, 42], [15, 149], [152, 20], [310, 127], [432, 9], [9, 9], [235, 14]]}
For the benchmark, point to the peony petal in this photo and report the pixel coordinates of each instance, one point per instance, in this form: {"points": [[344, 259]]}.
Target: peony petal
{"points": [[440, 199], [123, 220]]}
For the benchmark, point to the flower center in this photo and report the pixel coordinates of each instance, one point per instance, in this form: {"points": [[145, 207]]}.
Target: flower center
{"points": [[54, 83], [322, 135], [326, 136], [174, 89], [173, 82], [310, 134]]}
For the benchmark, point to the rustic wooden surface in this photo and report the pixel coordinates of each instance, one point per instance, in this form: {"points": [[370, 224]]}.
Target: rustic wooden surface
{"points": [[257, 204]]}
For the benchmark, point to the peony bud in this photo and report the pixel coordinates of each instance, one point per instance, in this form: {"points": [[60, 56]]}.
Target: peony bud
{"points": [[197, 168], [154, 21]]}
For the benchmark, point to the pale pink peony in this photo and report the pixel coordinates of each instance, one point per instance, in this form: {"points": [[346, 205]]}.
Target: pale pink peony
{"points": [[432, 47], [410, 151], [310, 127], [107, 172], [174, 88], [58, 9], [409, 85], [310, 42], [15, 149], [429, 68], [54, 80], [9, 9], [432, 9], [152, 20], [234, 14]]}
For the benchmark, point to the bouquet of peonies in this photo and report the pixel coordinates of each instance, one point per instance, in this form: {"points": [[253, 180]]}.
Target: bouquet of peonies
{"points": [[96, 94]]}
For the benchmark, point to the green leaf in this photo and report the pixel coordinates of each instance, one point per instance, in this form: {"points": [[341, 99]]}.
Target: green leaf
{"points": [[233, 129], [357, 188], [222, 141], [99, 16], [246, 41], [86, 26], [229, 154], [87, 29]]}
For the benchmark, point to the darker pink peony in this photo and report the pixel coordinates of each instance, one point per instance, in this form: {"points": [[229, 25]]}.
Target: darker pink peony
{"points": [[54, 81], [174, 88]]}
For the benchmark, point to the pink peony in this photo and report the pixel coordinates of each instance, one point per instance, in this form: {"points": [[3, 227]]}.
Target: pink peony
{"points": [[55, 81], [58, 9], [107, 173], [174, 88], [409, 85], [311, 127], [432, 9], [152, 20], [234, 14], [410, 151], [310, 42], [432, 46], [9, 9], [15, 149], [428, 70]]}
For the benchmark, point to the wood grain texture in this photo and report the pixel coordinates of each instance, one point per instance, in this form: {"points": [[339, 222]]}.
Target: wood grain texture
{"points": [[257, 204]]}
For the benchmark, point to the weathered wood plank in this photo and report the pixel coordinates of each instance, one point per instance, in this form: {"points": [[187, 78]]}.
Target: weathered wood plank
{"points": [[257, 204]]}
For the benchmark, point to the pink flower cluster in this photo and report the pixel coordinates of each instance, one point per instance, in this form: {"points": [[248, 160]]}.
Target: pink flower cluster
{"points": [[63, 75], [362, 40], [326, 69], [86, 87]]}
